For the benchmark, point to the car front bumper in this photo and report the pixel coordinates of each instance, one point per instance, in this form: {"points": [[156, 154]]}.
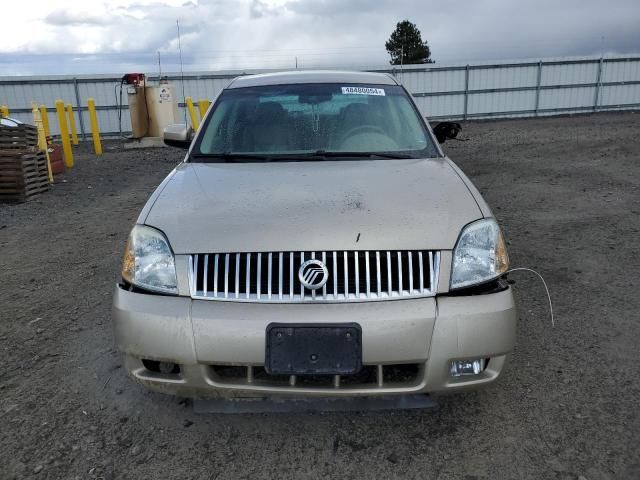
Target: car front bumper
{"points": [[205, 338]]}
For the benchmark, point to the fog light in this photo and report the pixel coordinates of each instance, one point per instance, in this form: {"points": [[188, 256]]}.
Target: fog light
{"points": [[166, 367], [161, 367], [460, 368]]}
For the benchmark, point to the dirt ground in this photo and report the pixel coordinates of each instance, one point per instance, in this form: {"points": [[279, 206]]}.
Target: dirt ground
{"points": [[566, 193]]}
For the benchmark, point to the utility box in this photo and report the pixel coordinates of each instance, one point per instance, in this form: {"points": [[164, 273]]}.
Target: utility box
{"points": [[162, 107], [152, 107], [138, 110]]}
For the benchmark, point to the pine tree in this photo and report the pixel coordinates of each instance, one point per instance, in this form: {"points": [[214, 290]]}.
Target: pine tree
{"points": [[406, 47]]}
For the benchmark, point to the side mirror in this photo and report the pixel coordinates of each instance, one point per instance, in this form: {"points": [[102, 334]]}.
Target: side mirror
{"points": [[445, 130], [178, 135]]}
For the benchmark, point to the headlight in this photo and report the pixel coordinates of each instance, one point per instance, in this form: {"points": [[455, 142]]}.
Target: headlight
{"points": [[480, 254], [148, 261]]}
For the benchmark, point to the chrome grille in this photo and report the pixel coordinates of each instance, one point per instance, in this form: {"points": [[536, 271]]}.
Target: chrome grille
{"points": [[353, 276]]}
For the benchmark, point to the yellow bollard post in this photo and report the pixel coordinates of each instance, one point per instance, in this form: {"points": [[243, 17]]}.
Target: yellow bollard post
{"points": [[45, 120], [192, 113], [95, 132], [64, 134], [42, 139], [4, 111], [203, 105], [72, 124]]}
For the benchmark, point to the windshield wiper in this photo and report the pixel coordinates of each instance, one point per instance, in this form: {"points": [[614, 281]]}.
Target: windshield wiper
{"points": [[330, 154], [310, 156], [230, 157]]}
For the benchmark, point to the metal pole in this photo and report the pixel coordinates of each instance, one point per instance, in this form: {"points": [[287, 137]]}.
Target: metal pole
{"points": [[72, 124], [192, 113], [45, 120], [598, 85], [95, 130], [203, 105], [538, 82], [466, 91], [182, 72], [64, 134], [42, 138], [79, 105]]}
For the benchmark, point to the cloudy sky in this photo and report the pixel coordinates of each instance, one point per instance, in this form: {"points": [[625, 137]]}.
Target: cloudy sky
{"points": [[98, 36]]}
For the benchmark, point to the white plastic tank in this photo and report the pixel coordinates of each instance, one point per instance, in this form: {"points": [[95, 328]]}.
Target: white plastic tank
{"points": [[162, 107]]}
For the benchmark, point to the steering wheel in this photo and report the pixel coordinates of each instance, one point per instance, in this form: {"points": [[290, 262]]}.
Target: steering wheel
{"points": [[362, 129]]}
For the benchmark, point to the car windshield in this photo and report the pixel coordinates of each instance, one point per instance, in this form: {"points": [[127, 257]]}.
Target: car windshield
{"points": [[315, 121]]}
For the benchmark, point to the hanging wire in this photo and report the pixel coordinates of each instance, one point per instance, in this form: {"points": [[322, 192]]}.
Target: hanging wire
{"points": [[523, 269]]}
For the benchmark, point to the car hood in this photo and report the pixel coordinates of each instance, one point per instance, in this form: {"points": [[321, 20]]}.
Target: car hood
{"points": [[313, 206]]}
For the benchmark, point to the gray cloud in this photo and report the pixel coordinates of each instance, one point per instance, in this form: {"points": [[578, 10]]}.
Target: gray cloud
{"points": [[332, 8], [242, 34], [64, 18], [259, 9]]}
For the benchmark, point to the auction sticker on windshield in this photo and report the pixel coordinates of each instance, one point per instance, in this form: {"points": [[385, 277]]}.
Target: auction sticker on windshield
{"points": [[362, 91]]}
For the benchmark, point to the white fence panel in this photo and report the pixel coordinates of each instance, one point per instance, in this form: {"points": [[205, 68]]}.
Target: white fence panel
{"points": [[493, 102], [441, 106], [508, 77], [620, 95], [431, 81], [482, 90], [621, 71], [569, 74], [566, 98]]}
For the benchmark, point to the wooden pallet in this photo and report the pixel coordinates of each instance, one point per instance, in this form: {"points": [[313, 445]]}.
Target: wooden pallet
{"points": [[20, 137], [23, 176]]}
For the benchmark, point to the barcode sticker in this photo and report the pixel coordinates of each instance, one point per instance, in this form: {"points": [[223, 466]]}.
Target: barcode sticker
{"points": [[362, 91]]}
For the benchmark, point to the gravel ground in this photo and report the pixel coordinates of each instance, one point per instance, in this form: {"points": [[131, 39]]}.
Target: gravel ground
{"points": [[566, 193]]}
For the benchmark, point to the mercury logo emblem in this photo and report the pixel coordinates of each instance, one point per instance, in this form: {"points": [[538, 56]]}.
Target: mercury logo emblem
{"points": [[313, 274]]}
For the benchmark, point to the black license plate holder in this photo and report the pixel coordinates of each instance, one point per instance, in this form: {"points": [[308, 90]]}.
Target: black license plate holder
{"points": [[313, 349]]}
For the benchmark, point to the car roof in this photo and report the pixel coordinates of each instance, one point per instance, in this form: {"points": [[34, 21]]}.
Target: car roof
{"points": [[312, 76]]}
